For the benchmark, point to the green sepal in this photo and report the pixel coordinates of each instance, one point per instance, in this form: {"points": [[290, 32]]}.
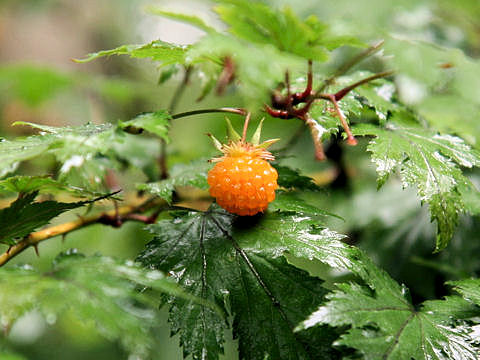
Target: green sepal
{"points": [[267, 144], [231, 133], [216, 143], [256, 136]]}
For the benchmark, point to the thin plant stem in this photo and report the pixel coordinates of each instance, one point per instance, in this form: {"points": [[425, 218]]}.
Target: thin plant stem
{"points": [[351, 63], [245, 126], [162, 160], [208, 111]]}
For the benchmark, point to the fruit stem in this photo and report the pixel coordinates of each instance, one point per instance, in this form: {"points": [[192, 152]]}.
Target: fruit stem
{"points": [[245, 126]]}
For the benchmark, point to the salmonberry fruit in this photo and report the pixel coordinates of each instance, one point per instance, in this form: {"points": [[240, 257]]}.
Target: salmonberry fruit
{"points": [[242, 181]]}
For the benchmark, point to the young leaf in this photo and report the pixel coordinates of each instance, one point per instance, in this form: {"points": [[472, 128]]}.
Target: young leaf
{"points": [[24, 215], [97, 289], [156, 123], [188, 19], [259, 23], [384, 324], [193, 174], [428, 161], [237, 264], [165, 53]]}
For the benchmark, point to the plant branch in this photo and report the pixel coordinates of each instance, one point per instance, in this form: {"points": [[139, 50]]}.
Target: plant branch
{"points": [[115, 217], [350, 139], [162, 160], [340, 94], [208, 111], [351, 63]]}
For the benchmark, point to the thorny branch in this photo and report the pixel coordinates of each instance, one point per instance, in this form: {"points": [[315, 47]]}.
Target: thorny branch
{"points": [[115, 217]]}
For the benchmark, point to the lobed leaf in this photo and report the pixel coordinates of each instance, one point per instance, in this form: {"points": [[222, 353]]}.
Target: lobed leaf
{"points": [[237, 263], [383, 324], [259, 23], [427, 160], [165, 53]]}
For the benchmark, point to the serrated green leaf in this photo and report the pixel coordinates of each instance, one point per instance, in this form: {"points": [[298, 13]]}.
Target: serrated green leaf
{"points": [[83, 151], [193, 174], [383, 324], [156, 123], [237, 263], [468, 288], [97, 289], [24, 215], [189, 19], [427, 160], [165, 53], [42, 184]]}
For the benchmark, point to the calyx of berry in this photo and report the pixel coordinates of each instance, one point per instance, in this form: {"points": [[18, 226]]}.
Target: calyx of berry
{"points": [[237, 146]]}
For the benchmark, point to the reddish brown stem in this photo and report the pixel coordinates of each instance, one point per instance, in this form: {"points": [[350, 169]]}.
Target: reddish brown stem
{"points": [[350, 139], [341, 93], [302, 96], [316, 137], [281, 114], [245, 126], [227, 75]]}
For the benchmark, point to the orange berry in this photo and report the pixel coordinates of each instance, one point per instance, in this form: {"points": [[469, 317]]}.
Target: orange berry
{"points": [[242, 182]]}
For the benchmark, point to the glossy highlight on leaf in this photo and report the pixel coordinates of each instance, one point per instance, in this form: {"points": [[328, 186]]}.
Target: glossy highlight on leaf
{"points": [[427, 160], [235, 263]]}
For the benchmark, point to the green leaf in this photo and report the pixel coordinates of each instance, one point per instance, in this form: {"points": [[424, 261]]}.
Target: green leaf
{"points": [[21, 149], [24, 215], [447, 97], [156, 123], [42, 184], [376, 95], [468, 288], [165, 53], [33, 85], [290, 179], [427, 160], [237, 263], [189, 19], [193, 174], [259, 23], [254, 68], [83, 150], [383, 324], [97, 289]]}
